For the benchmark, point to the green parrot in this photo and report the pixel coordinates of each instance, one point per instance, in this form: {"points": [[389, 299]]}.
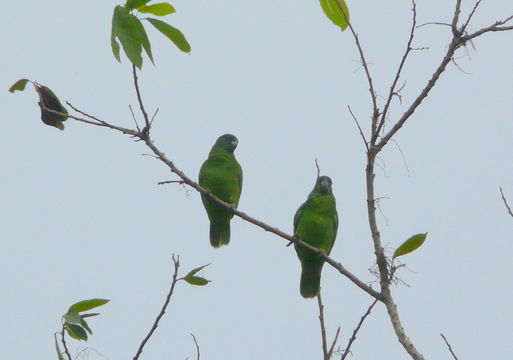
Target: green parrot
{"points": [[222, 175], [316, 223]]}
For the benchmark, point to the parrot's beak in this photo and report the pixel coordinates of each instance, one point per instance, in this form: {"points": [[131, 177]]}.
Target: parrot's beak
{"points": [[233, 144]]}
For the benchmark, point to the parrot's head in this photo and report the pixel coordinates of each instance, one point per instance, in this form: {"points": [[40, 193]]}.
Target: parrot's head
{"points": [[323, 184], [227, 142]]}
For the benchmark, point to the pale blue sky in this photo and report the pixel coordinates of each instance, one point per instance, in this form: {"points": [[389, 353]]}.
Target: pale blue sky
{"points": [[83, 217]]}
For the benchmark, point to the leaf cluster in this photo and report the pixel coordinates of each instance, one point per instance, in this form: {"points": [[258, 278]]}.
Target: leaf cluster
{"points": [[128, 30], [74, 322]]}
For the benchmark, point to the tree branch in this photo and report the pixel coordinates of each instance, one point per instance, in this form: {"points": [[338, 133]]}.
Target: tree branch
{"points": [[139, 99], [355, 331], [375, 112], [505, 202], [449, 347], [176, 261], [398, 73], [323, 327], [197, 347], [64, 345]]}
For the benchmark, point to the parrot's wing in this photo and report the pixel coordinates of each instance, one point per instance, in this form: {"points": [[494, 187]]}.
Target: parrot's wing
{"points": [[298, 215]]}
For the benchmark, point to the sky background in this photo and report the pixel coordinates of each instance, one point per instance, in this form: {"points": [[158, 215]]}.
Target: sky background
{"points": [[83, 217]]}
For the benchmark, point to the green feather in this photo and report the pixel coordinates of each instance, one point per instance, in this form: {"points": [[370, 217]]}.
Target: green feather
{"points": [[316, 223], [222, 175]]}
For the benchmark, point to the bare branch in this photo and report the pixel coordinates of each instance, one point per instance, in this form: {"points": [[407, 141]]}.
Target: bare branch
{"points": [[492, 28], [181, 182], [359, 128], [144, 136], [323, 328], [64, 345], [317, 167], [95, 121], [449, 347], [332, 347], [455, 19], [259, 223], [197, 347], [505, 202], [355, 331], [139, 99], [464, 27], [375, 111], [398, 73], [431, 83], [176, 261]]}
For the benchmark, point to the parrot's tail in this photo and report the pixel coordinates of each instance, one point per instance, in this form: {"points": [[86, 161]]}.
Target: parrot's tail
{"points": [[219, 233], [310, 281]]}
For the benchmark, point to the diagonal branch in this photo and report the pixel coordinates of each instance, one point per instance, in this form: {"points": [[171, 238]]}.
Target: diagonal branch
{"points": [[355, 331], [162, 157], [492, 28], [365, 65], [453, 46], [176, 261], [449, 347], [398, 73]]}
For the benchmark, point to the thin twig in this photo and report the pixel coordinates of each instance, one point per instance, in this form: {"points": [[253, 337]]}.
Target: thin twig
{"points": [[64, 345], [334, 343], [197, 347], [433, 23], [359, 128], [154, 115], [181, 182], [398, 73], [464, 27], [134, 118], [375, 111], [505, 202], [176, 261], [139, 99], [495, 27], [323, 327], [355, 331], [318, 168], [449, 347]]}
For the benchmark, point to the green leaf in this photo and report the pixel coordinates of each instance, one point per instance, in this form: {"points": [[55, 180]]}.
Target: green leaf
{"points": [[159, 9], [88, 304], [48, 100], [172, 34], [196, 280], [194, 271], [113, 42], [134, 4], [86, 326], [337, 12], [412, 244], [58, 349], [127, 28], [76, 332], [19, 85], [72, 317]]}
